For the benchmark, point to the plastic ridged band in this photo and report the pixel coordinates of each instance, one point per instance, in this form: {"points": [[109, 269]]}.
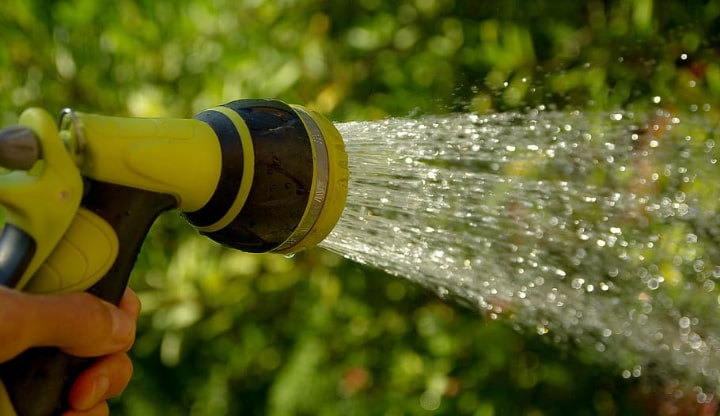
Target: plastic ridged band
{"points": [[320, 185]]}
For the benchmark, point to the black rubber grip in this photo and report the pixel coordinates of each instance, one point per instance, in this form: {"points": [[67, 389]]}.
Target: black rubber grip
{"points": [[282, 179], [16, 251]]}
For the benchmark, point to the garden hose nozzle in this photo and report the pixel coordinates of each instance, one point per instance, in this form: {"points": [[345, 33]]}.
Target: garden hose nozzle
{"points": [[283, 180], [80, 197]]}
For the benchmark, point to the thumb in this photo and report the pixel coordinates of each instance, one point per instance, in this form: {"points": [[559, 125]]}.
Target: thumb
{"points": [[78, 323]]}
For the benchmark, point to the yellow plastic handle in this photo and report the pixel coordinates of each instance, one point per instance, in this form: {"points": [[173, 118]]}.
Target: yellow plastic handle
{"points": [[42, 202], [82, 257], [179, 157], [6, 407]]}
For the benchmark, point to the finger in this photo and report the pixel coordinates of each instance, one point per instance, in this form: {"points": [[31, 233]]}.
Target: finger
{"points": [[78, 323], [130, 303], [85, 325], [101, 409], [107, 378]]}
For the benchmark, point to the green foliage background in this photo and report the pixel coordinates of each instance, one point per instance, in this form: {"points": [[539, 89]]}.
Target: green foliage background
{"points": [[231, 333]]}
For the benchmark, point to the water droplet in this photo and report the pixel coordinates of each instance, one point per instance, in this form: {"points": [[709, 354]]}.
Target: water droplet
{"points": [[430, 400], [684, 322]]}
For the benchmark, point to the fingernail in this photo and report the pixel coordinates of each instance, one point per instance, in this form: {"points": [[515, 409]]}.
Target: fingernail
{"points": [[123, 326]]}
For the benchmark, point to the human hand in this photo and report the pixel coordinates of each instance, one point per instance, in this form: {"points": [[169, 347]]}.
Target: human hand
{"points": [[81, 325]]}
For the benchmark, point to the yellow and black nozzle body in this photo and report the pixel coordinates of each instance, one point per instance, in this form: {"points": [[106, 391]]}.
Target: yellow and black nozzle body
{"points": [[79, 198], [299, 178]]}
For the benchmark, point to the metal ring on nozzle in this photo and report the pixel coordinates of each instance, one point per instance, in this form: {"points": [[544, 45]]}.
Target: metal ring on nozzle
{"points": [[317, 199], [333, 201], [71, 134]]}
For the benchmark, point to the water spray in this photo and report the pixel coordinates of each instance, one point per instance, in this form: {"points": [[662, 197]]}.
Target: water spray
{"points": [[592, 230]]}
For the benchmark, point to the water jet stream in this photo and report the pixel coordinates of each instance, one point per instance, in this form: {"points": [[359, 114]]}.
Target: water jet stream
{"points": [[591, 229]]}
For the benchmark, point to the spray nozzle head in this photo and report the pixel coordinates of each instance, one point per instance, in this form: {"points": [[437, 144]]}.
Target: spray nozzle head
{"points": [[294, 163]]}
